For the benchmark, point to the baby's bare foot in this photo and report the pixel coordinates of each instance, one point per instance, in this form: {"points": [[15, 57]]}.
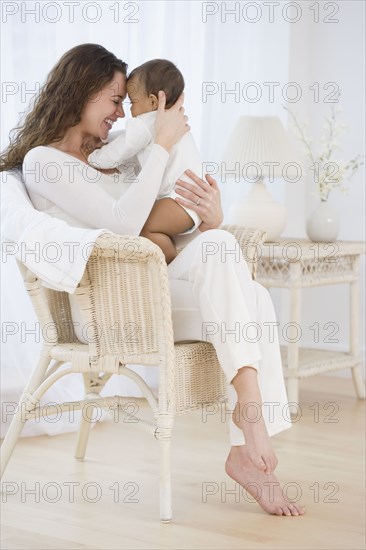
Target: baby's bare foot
{"points": [[265, 489], [257, 442]]}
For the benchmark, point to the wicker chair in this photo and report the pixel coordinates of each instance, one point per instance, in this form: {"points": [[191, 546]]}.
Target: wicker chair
{"points": [[125, 302]]}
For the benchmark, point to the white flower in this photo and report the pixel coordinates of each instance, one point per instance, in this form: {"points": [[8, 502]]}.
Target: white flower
{"points": [[330, 172]]}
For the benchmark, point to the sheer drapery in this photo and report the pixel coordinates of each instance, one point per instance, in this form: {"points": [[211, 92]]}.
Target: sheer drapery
{"points": [[218, 56]]}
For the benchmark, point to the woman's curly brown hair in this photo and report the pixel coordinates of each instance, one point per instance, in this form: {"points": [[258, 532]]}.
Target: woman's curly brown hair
{"points": [[81, 72]]}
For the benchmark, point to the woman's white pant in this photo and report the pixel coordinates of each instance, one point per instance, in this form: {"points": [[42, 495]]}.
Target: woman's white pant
{"points": [[215, 299]]}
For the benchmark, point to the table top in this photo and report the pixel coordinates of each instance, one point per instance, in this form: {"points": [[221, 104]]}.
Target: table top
{"points": [[296, 249]]}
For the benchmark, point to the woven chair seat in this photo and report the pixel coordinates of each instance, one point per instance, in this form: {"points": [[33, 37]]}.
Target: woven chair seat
{"points": [[65, 352]]}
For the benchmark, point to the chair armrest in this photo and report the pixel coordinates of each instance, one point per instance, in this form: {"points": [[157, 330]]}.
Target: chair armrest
{"points": [[249, 239]]}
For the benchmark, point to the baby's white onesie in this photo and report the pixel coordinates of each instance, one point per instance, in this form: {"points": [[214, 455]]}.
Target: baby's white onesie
{"points": [[137, 141]]}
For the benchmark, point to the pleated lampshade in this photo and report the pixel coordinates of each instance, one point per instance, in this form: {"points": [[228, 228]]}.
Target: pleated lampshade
{"points": [[261, 140]]}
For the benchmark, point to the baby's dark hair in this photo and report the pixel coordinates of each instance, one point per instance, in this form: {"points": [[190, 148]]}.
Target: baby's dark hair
{"points": [[160, 74]]}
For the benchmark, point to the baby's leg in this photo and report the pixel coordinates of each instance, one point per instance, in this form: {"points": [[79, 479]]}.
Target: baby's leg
{"points": [[167, 218]]}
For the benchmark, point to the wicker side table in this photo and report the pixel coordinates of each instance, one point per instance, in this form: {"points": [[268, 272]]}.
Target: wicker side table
{"points": [[299, 263]]}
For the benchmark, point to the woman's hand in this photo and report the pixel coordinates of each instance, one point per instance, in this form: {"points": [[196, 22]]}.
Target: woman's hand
{"points": [[171, 124], [204, 198], [90, 143]]}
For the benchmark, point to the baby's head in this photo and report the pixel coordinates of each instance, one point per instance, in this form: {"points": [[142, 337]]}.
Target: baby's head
{"points": [[145, 81]]}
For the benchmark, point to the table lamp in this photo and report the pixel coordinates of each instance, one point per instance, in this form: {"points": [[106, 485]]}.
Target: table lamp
{"points": [[256, 142]]}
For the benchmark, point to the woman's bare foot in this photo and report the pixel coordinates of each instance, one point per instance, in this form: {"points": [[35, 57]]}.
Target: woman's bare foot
{"points": [[264, 488], [252, 465], [259, 450]]}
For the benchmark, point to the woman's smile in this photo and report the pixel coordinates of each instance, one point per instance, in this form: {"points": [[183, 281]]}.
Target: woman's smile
{"points": [[109, 123]]}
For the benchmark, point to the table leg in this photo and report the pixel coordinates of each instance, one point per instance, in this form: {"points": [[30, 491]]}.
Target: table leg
{"points": [[293, 348], [354, 331]]}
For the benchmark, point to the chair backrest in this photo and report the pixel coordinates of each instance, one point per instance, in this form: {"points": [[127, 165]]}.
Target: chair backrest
{"points": [[52, 309], [124, 298]]}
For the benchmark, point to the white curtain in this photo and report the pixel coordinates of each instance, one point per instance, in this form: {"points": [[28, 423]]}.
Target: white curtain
{"points": [[216, 52]]}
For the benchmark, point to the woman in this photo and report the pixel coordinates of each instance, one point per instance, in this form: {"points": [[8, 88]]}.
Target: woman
{"points": [[80, 101]]}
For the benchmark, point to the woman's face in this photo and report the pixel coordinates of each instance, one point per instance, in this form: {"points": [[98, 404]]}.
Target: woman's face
{"points": [[105, 108]]}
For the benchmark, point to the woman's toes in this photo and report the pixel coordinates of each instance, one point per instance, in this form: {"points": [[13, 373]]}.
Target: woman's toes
{"points": [[267, 466], [261, 465], [293, 509]]}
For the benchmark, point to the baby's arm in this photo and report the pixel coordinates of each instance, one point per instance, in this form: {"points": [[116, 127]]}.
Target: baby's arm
{"points": [[166, 219], [126, 145]]}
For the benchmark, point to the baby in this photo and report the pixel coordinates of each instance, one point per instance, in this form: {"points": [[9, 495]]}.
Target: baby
{"points": [[167, 218]]}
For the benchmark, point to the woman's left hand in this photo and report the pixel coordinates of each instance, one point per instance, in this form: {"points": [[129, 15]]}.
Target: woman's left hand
{"points": [[203, 197], [90, 143]]}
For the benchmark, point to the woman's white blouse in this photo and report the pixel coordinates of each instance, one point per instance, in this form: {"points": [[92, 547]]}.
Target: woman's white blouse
{"points": [[67, 188]]}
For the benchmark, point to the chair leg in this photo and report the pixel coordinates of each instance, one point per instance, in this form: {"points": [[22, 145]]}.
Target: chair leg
{"points": [[83, 434], [358, 382], [164, 423], [165, 481], [91, 393], [10, 440], [26, 405]]}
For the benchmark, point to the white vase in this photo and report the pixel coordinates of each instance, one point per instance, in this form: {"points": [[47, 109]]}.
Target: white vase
{"points": [[323, 224]]}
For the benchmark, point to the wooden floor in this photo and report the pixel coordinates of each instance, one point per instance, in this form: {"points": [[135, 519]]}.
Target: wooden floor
{"points": [[322, 455]]}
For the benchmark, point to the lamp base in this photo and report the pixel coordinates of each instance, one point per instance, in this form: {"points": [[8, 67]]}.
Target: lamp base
{"points": [[259, 210]]}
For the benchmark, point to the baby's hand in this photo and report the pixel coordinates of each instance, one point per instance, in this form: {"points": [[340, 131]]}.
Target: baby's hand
{"points": [[90, 144]]}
